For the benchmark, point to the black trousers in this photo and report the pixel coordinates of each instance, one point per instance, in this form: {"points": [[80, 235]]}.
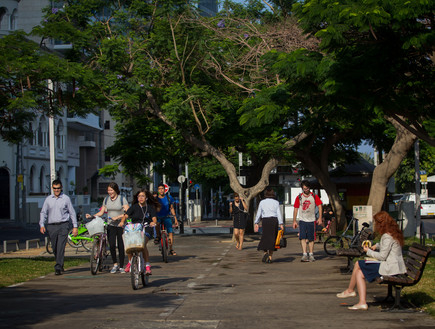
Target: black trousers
{"points": [[58, 234], [114, 234]]}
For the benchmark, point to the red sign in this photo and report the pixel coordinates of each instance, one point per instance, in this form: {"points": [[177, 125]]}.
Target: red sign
{"points": [[166, 188]]}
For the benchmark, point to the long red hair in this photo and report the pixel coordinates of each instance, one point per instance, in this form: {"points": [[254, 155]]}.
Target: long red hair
{"points": [[384, 223]]}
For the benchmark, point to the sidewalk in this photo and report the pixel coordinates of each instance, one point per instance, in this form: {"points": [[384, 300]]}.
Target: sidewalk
{"points": [[209, 284]]}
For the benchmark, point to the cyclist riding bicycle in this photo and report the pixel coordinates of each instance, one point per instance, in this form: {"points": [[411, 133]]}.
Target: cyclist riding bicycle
{"points": [[143, 210], [164, 216]]}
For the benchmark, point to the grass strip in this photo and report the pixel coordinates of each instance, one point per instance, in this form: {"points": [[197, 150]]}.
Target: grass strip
{"points": [[16, 270]]}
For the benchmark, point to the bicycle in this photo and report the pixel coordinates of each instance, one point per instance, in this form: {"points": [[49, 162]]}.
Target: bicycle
{"points": [[345, 240], [83, 238], [99, 247], [135, 246]]}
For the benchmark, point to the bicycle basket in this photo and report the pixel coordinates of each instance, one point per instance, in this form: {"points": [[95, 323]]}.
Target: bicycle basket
{"points": [[96, 226], [134, 241]]}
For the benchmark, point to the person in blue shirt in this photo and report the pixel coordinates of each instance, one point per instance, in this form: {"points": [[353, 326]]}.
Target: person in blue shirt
{"points": [[270, 214], [56, 213], [164, 216]]}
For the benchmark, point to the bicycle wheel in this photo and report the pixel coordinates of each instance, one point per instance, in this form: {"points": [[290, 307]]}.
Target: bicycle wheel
{"points": [[332, 244], [95, 257], [103, 255], [87, 244], [165, 247], [75, 243], [49, 247], [134, 272]]}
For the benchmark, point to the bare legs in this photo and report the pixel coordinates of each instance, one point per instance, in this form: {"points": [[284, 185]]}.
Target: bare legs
{"points": [[304, 243], [239, 236], [358, 280]]}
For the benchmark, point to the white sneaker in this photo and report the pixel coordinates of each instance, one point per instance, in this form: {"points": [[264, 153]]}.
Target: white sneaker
{"points": [[311, 258], [121, 270], [114, 269]]}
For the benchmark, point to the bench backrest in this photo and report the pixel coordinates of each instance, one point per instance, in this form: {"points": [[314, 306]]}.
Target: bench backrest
{"points": [[416, 261], [366, 234]]}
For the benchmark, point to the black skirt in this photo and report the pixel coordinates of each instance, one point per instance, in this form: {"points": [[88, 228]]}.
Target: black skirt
{"points": [[270, 231]]}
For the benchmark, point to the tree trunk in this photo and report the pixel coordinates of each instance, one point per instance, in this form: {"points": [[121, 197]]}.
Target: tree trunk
{"points": [[319, 169], [383, 172]]}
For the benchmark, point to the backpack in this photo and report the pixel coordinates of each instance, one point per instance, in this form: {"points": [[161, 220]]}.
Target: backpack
{"points": [[317, 208]]}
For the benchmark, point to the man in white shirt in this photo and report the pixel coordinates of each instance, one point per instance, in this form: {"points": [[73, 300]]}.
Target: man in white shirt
{"points": [[307, 202]]}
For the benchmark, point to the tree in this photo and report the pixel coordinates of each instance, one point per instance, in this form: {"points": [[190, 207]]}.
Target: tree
{"points": [[160, 62], [25, 71], [381, 62]]}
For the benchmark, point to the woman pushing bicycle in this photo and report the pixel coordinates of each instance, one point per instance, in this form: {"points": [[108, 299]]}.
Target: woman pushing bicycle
{"points": [[143, 210], [116, 206]]}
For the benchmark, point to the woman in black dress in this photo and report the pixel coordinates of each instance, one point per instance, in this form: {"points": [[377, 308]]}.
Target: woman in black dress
{"points": [[238, 210]]}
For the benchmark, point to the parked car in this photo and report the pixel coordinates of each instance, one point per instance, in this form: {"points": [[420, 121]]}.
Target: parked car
{"points": [[427, 208]]}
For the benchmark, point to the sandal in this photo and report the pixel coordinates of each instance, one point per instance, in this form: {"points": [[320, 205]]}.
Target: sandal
{"points": [[265, 257], [173, 253]]}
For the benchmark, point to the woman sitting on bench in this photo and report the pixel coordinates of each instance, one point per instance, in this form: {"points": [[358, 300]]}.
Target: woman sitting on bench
{"points": [[389, 259]]}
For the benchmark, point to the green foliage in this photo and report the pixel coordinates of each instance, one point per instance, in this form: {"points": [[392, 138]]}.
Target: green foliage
{"points": [[24, 91], [405, 175]]}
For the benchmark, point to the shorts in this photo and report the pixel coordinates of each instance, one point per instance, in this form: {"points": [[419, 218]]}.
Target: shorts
{"points": [[167, 221], [306, 230]]}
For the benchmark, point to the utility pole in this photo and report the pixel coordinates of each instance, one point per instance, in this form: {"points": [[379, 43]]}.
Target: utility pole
{"points": [[417, 185], [51, 134]]}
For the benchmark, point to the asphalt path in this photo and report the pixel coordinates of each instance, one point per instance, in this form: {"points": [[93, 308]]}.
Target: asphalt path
{"points": [[209, 284]]}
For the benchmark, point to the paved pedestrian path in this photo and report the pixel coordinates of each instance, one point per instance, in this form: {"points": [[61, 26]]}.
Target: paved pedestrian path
{"points": [[209, 284]]}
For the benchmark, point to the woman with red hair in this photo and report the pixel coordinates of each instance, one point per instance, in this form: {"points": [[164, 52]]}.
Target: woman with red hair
{"points": [[389, 259]]}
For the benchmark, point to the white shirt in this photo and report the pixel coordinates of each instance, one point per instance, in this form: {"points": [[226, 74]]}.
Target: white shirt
{"points": [[268, 208]]}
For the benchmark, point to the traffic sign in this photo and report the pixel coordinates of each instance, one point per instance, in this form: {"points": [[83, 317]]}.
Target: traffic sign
{"points": [[181, 179], [166, 188], [196, 186]]}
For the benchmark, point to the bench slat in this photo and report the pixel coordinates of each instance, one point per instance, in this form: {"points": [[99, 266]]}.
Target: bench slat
{"points": [[416, 257], [411, 262], [420, 250]]}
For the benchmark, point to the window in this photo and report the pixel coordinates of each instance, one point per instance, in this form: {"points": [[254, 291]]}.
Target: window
{"points": [[31, 140], [13, 21], [107, 124], [2, 15], [42, 133], [60, 138], [42, 187], [32, 179]]}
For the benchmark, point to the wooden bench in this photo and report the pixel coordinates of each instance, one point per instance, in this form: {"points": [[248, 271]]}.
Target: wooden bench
{"points": [[356, 249], [415, 262]]}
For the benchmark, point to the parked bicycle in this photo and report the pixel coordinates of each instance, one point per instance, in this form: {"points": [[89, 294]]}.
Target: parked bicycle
{"points": [[83, 238], [345, 240], [98, 230]]}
